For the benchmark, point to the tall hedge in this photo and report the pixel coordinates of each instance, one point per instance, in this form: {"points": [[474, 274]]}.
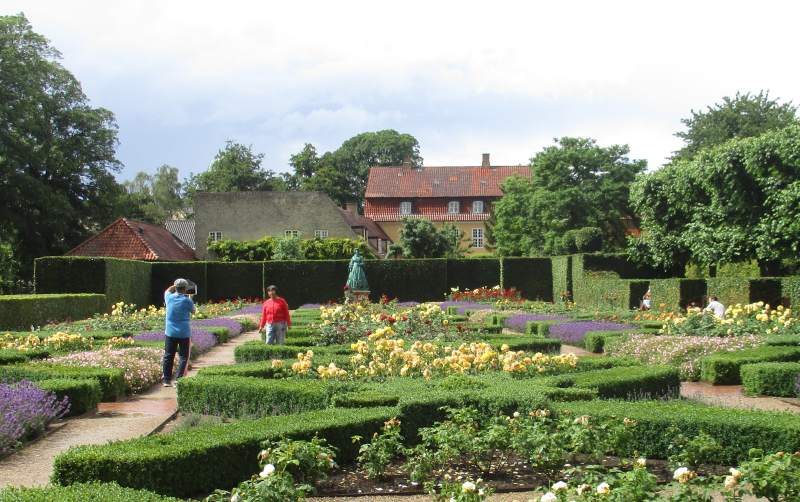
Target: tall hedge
{"points": [[234, 280], [532, 276], [309, 281], [471, 273], [20, 312], [128, 281], [562, 275], [730, 290], [163, 274], [417, 279]]}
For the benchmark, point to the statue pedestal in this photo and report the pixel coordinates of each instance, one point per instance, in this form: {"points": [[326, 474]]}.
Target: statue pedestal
{"points": [[358, 296]]}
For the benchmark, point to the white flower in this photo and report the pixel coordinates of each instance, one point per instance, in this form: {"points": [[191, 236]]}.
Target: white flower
{"points": [[730, 482], [682, 475], [735, 473], [268, 470], [468, 486], [548, 497], [559, 486], [516, 414], [235, 497], [641, 462], [603, 488], [582, 488]]}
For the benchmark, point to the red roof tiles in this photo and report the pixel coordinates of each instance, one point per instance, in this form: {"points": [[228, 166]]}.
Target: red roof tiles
{"points": [[134, 240], [441, 181]]}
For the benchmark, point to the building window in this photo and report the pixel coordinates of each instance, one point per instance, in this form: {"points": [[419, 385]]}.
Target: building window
{"points": [[320, 234], [477, 237], [453, 207], [477, 207], [291, 233], [405, 207], [214, 236]]}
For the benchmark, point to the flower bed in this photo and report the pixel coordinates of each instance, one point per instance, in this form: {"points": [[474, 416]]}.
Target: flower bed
{"points": [[233, 326], [461, 307], [685, 352], [202, 341], [519, 322], [572, 333], [141, 366], [486, 294], [25, 411], [751, 319]]}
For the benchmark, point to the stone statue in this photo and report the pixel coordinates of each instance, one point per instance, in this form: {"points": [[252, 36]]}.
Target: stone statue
{"points": [[356, 277]]}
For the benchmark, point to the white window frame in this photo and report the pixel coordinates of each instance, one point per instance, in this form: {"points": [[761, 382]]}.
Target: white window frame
{"points": [[453, 207], [478, 207], [477, 238], [291, 233], [215, 236], [320, 234], [406, 207]]}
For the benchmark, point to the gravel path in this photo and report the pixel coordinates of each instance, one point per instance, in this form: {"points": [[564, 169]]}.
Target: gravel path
{"points": [[133, 417], [732, 396]]}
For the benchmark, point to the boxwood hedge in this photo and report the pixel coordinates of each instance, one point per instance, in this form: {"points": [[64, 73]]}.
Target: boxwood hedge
{"points": [[81, 492], [724, 368], [110, 380], [24, 311], [83, 393], [770, 379], [634, 382]]}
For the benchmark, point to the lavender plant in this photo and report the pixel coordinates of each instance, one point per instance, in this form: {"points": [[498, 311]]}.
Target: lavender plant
{"points": [[25, 411]]}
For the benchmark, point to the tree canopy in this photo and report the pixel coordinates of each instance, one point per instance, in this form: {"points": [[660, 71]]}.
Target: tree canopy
{"points": [[575, 184], [154, 197], [419, 238], [57, 153]]}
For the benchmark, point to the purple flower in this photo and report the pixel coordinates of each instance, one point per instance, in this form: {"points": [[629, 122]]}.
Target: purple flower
{"points": [[25, 411], [519, 322], [233, 326], [573, 332], [304, 306], [202, 341], [407, 304], [462, 307], [248, 310]]}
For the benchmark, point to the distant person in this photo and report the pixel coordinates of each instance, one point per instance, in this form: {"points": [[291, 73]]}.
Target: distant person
{"points": [[647, 300], [715, 306], [178, 331], [275, 318]]}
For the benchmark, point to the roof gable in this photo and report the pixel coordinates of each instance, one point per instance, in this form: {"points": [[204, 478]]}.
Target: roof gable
{"points": [[134, 240], [440, 181]]}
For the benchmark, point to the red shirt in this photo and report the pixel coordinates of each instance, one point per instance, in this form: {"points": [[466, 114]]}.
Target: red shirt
{"points": [[275, 310]]}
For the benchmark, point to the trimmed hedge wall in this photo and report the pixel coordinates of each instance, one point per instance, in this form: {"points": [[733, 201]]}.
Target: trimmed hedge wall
{"points": [[532, 276], [202, 459], [128, 281], [724, 368], [235, 280], [472, 273], [83, 393], [165, 273], [631, 382], [81, 492], [562, 275], [659, 422], [301, 282], [771, 379], [24, 311], [418, 279]]}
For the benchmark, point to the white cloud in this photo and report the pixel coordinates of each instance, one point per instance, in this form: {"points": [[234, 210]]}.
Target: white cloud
{"points": [[464, 77]]}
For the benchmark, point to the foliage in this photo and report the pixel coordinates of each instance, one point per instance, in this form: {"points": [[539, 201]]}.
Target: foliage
{"points": [[573, 332], [770, 379], [420, 239], [744, 115], [26, 411], [80, 492], [374, 457], [467, 491], [724, 368], [81, 394], [141, 366], [288, 248], [155, 197], [772, 476], [740, 320], [235, 168], [575, 184], [28, 311], [57, 161]]}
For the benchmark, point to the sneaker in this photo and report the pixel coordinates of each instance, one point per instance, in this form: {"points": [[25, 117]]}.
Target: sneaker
{"points": [[167, 384]]}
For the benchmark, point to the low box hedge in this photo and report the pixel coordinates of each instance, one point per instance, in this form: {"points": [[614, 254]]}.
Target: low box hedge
{"points": [[778, 340], [723, 368], [633, 382], [539, 328], [24, 311], [11, 356], [527, 343], [201, 459], [111, 380], [770, 379], [81, 492], [659, 422], [595, 341], [260, 351], [83, 393]]}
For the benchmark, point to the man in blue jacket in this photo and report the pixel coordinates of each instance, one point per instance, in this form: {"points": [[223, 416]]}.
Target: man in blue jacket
{"points": [[180, 308]]}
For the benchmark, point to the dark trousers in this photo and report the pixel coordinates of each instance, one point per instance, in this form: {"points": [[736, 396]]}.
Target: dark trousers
{"points": [[171, 345]]}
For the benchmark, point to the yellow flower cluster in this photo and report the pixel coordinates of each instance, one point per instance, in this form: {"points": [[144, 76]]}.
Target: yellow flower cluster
{"points": [[522, 363], [58, 341], [381, 333], [331, 372], [120, 341], [304, 362]]}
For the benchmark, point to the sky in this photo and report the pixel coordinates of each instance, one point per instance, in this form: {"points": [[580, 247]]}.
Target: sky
{"points": [[464, 78]]}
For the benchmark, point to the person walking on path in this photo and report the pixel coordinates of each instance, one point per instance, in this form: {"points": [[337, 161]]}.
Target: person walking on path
{"points": [[715, 306], [178, 331], [647, 300], [275, 318]]}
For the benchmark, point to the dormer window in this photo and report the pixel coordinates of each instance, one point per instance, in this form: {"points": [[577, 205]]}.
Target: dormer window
{"points": [[405, 207], [453, 207], [477, 207]]}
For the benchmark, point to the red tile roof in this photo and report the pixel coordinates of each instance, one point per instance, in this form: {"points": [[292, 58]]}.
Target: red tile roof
{"points": [[440, 181], [356, 220], [434, 209], [134, 240]]}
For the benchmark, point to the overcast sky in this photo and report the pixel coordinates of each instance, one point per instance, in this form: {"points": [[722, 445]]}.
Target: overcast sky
{"points": [[462, 77]]}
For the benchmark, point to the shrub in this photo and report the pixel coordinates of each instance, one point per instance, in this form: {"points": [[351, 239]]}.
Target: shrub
{"points": [[82, 394], [779, 340], [595, 341], [540, 328], [659, 423], [202, 459], [24, 311], [81, 492], [637, 382], [770, 379], [111, 380], [10, 356], [26, 410], [527, 343], [260, 351], [724, 368]]}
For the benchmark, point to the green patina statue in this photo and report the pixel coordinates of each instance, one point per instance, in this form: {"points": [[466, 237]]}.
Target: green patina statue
{"points": [[356, 277]]}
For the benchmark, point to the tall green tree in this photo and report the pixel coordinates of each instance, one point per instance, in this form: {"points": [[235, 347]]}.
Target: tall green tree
{"points": [[419, 238], [57, 153], [153, 197], [235, 168], [574, 184], [742, 116], [343, 173]]}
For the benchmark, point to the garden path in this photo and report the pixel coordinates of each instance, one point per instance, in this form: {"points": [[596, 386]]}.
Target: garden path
{"points": [[497, 497], [136, 416], [732, 396]]}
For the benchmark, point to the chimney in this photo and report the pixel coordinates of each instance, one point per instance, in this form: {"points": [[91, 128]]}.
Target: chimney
{"points": [[351, 207], [485, 161]]}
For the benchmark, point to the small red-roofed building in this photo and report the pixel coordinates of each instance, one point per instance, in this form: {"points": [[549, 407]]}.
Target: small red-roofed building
{"points": [[461, 195], [134, 240]]}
